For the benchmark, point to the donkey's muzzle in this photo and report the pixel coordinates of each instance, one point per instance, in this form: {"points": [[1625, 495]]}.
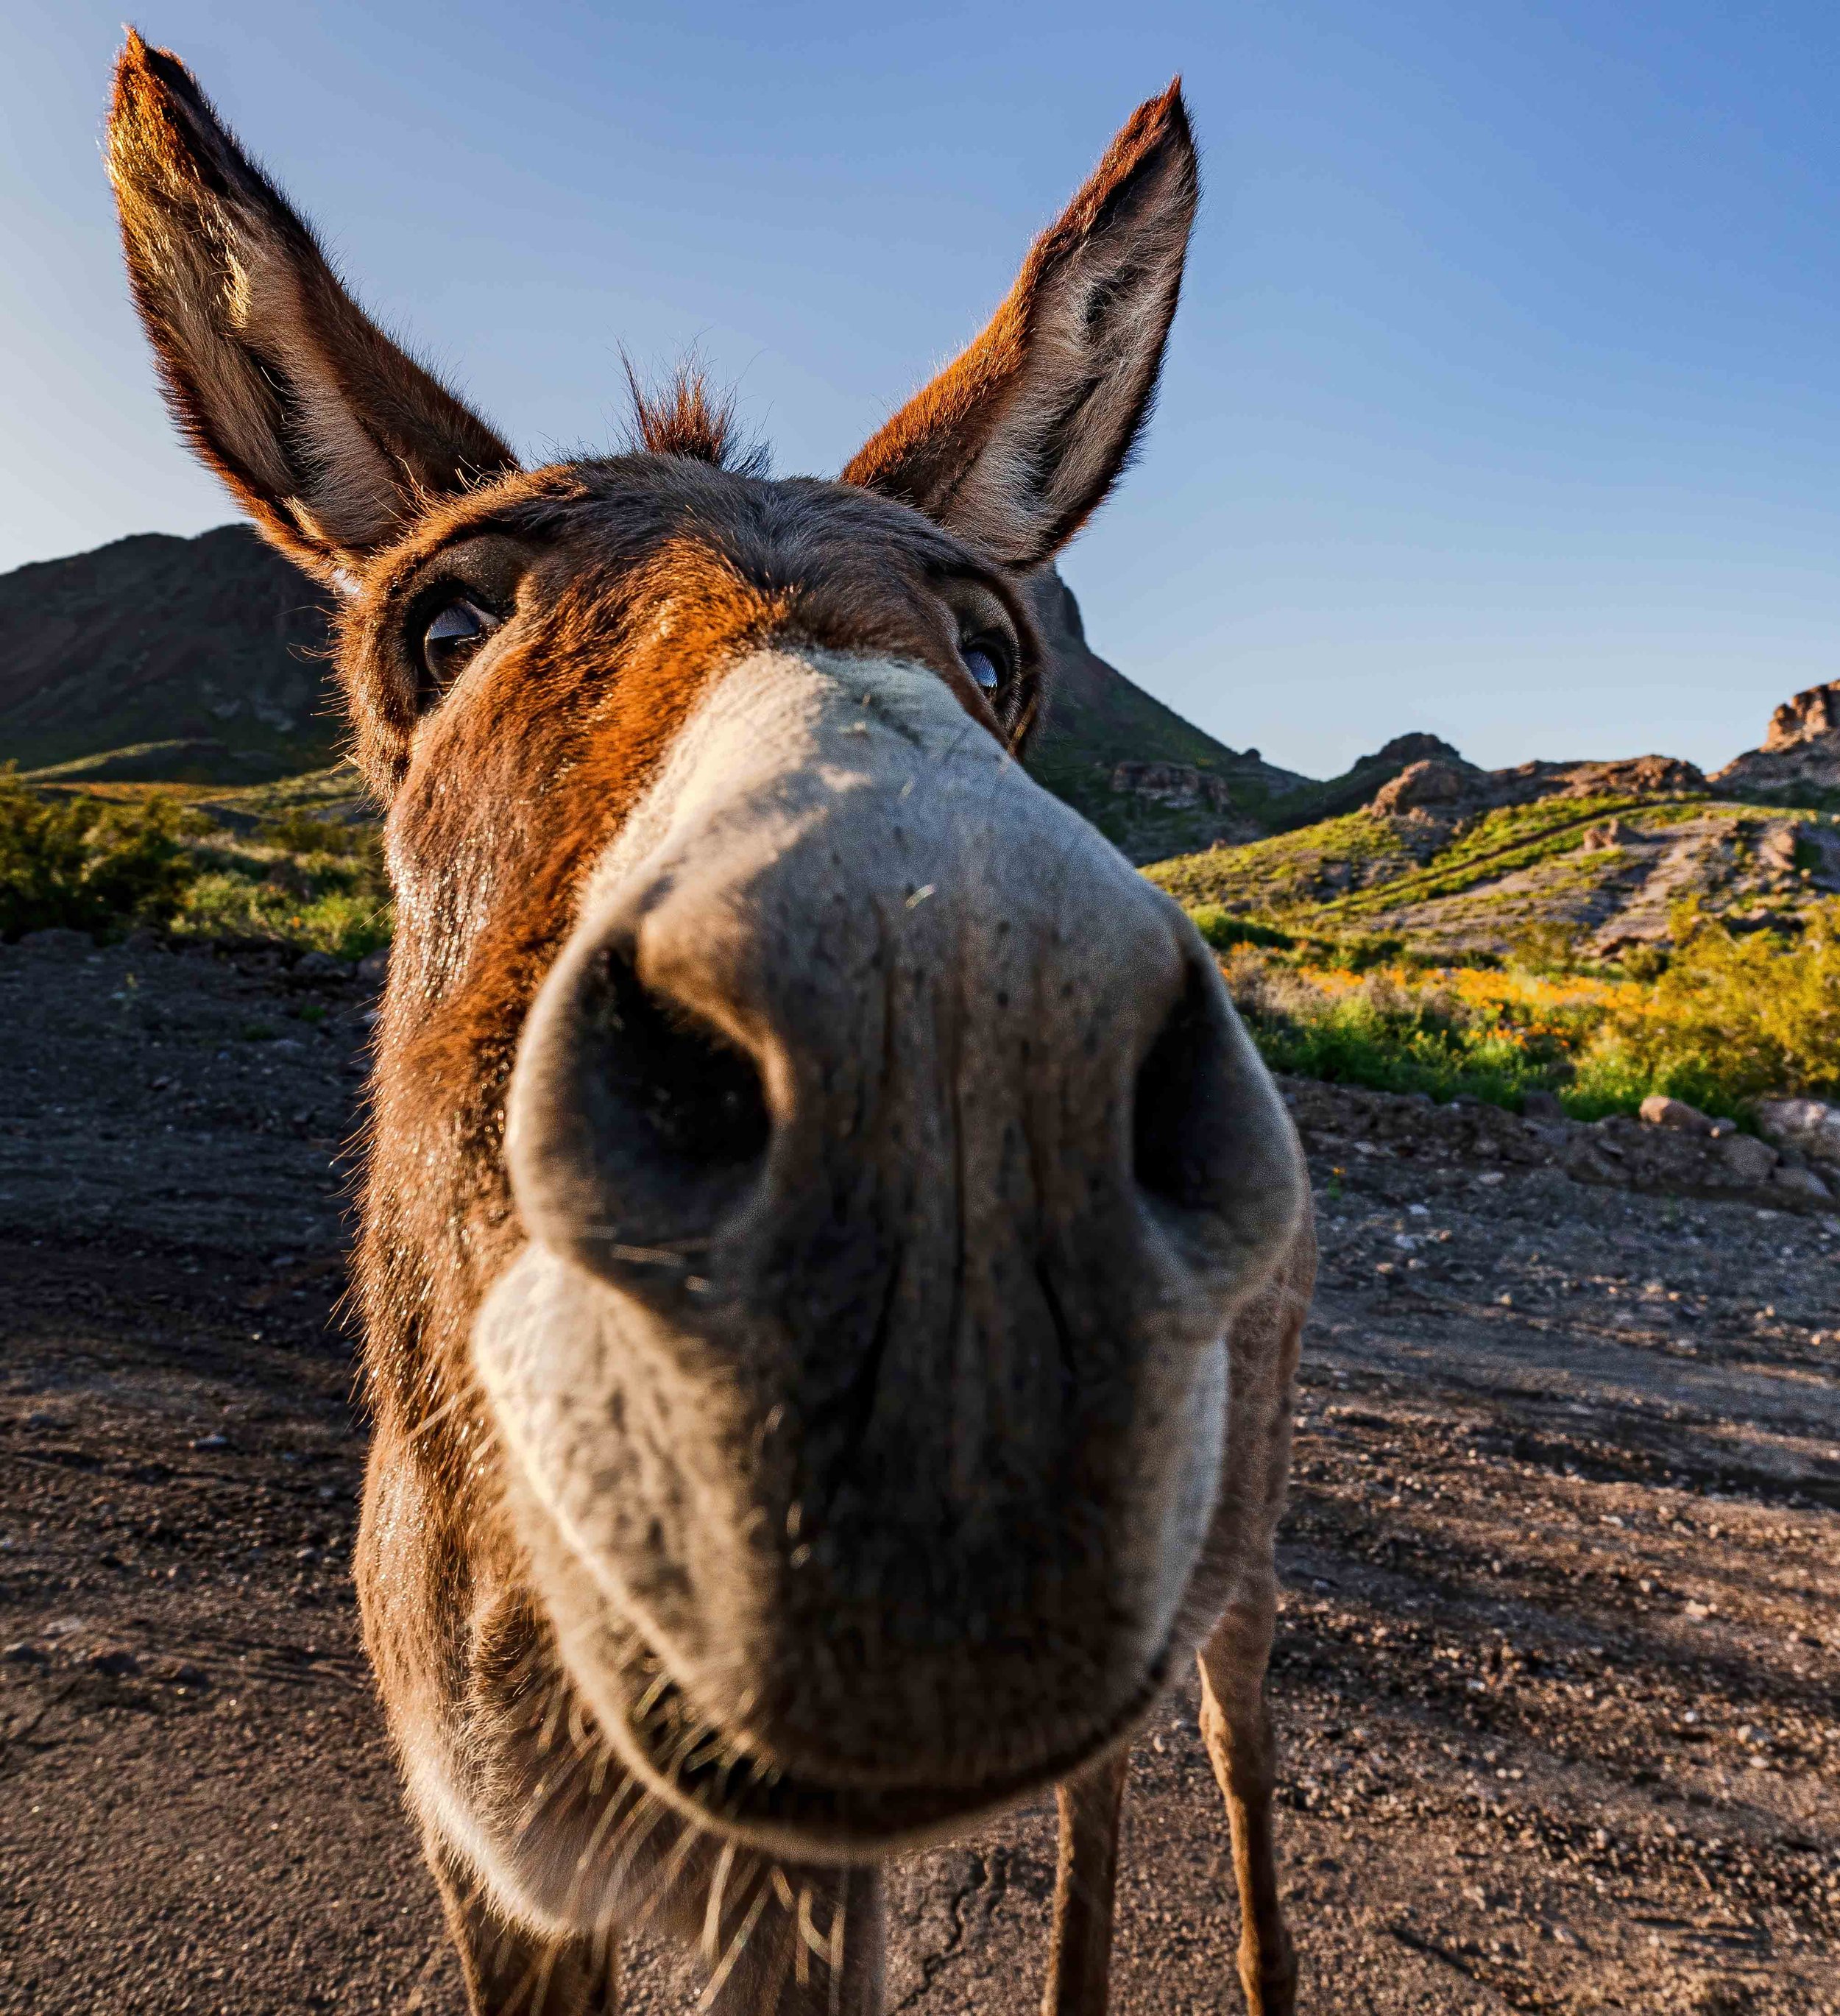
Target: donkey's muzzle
{"points": [[893, 1160]]}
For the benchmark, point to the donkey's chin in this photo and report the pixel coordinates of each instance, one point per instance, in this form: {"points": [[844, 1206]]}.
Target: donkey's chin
{"points": [[728, 1784]]}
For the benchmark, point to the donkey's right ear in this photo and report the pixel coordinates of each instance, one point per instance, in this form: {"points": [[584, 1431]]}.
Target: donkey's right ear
{"points": [[332, 438]]}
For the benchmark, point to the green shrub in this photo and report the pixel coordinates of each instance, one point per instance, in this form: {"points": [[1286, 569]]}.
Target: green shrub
{"points": [[318, 884], [1734, 1017], [300, 833], [1726, 1018], [92, 864], [83, 864], [346, 922], [1389, 1039], [1223, 931]]}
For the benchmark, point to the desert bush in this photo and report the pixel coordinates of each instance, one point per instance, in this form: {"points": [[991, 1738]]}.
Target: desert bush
{"points": [[1389, 1031], [83, 864], [1727, 1018], [348, 924], [297, 880], [294, 831], [88, 863], [1223, 931], [1733, 1017], [1546, 946]]}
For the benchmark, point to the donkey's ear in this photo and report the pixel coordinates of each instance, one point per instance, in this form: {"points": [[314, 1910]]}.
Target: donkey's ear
{"points": [[332, 438], [1015, 445]]}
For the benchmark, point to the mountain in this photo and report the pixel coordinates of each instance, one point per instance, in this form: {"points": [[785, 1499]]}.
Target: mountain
{"points": [[196, 661], [203, 661]]}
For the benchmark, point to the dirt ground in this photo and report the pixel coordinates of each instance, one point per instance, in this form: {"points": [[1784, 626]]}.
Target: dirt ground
{"points": [[1558, 1673]]}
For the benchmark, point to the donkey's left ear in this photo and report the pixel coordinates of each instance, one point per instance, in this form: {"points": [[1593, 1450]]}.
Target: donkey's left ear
{"points": [[1016, 444], [328, 435]]}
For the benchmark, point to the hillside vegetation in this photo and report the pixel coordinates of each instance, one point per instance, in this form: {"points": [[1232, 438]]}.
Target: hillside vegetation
{"points": [[297, 864], [1595, 873], [1595, 933], [1723, 1019]]}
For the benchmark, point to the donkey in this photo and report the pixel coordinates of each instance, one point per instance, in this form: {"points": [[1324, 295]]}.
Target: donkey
{"points": [[832, 1264]]}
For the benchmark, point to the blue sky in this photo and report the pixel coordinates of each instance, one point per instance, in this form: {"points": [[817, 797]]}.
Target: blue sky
{"points": [[1504, 402]]}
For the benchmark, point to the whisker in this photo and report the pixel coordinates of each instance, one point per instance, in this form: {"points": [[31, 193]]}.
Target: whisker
{"points": [[706, 2000], [605, 1755], [604, 1949], [652, 1811], [585, 1861], [837, 1946], [558, 1701], [712, 1914], [652, 1696], [540, 1994], [671, 1870], [440, 1414]]}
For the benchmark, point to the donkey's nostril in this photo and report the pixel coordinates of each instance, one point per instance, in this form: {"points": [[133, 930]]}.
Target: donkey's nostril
{"points": [[635, 1129], [1182, 1117], [695, 1099]]}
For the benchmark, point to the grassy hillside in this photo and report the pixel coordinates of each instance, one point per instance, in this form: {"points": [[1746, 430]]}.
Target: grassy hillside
{"points": [[1595, 873], [1595, 946]]}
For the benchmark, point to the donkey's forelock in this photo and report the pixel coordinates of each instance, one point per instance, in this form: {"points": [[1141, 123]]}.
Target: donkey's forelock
{"points": [[682, 417]]}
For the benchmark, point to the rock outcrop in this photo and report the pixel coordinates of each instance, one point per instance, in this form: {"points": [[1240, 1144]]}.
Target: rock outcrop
{"points": [[1442, 789], [1810, 717], [1812, 1125], [1434, 781], [1178, 784], [1800, 751]]}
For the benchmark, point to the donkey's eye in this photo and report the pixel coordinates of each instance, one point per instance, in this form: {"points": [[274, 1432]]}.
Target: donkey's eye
{"points": [[981, 661], [456, 632]]}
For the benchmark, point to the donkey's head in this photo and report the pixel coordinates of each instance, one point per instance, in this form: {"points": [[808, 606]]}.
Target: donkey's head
{"points": [[811, 1171]]}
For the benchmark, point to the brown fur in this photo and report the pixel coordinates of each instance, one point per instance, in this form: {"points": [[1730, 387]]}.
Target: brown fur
{"points": [[628, 587], [685, 419]]}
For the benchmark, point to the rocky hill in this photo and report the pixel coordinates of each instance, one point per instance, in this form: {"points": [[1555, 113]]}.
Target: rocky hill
{"points": [[1799, 761], [1591, 855], [1152, 781]]}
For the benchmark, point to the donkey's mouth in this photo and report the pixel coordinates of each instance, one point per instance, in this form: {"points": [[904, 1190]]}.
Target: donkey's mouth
{"points": [[719, 1780]]}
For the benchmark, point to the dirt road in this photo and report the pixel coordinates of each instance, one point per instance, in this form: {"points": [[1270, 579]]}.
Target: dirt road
{"points": [[1559, 1665]]}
